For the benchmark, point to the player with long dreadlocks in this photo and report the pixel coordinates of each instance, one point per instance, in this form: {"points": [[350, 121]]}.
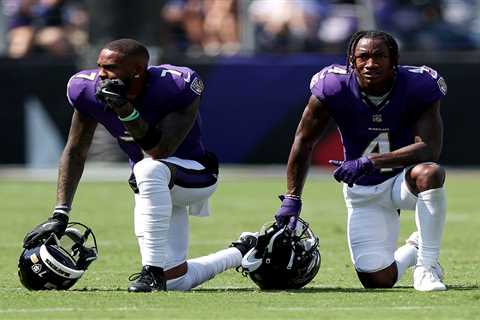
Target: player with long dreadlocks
{"points": [[389, 119]]}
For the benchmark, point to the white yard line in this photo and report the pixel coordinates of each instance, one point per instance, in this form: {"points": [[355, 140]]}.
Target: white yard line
{"points": [[322, 308]]}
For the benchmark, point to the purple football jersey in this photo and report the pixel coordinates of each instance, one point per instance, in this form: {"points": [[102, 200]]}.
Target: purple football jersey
{"points": [[169, 88], [366, 128]]}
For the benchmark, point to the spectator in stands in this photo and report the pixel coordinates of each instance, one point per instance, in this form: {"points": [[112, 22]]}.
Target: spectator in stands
{"points": [[303, 25], [421, 25], [202, 26], [341, 19], [285, 25], [50, 26]]}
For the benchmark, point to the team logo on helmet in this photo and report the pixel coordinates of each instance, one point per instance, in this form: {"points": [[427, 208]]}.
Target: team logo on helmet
{"points": [[37, 268]]}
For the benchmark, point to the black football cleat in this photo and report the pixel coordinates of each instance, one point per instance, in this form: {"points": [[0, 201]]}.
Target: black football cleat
{"points": [[150, 279], [245, 242]]}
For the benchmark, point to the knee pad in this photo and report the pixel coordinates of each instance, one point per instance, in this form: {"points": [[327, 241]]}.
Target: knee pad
{"points": [[372, 262], [148, 169]]}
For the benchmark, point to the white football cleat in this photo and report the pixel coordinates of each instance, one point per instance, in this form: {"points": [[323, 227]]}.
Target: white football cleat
{"points": [[427, 279], [413, 240]]}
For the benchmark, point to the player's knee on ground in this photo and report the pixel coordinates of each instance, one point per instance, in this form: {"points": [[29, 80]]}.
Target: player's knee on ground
{"points": [[385, 278], [376, 270], [149, 170], [428, 176]]}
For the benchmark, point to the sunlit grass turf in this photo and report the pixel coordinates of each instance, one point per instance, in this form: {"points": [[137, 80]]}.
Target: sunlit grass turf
{"points": [[238, 205]]}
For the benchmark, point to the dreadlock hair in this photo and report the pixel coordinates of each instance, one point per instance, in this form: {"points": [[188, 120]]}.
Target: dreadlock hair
{"points": [[392, 45], [129, 48]]}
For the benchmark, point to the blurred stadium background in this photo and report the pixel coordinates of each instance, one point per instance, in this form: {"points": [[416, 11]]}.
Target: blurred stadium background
{"points": [[255, 56]]}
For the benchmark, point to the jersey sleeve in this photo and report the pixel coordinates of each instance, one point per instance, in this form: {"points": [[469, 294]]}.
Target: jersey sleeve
{"points": [[326, 83], [316, 86], [81, 90], [429, 85], [186, 85], [74, 90]]}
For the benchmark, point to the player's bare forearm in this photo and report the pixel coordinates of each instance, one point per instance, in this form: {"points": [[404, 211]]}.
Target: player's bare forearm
{"points": [[73, 157], [69, 173], [408, 155], [314, 120], [297, 167], [426, 147], [174, 128], [138, 127]]}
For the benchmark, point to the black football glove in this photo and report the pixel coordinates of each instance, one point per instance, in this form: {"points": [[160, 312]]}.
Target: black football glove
{"points": [[112, 92], [57, 224]]}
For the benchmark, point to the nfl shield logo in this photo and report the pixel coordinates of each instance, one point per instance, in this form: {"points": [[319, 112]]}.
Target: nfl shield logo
{"points": [[377, 118]]}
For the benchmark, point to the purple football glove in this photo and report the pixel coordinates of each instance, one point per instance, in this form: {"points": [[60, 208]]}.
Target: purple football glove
{"points": [[349, 171], [289, 211]]}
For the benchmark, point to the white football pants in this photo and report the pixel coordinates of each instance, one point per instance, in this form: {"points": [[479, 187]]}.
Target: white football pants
{"points": [[161, 214], [373, 224]]}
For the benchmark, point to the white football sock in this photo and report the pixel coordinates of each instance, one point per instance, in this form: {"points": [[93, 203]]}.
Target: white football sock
{"points": [[204, 268], [405, 256], [430, 219]]}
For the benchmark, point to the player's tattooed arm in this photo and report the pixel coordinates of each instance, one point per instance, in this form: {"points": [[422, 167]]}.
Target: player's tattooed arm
{"points": [[427, 146], [73, 157], [314, 120], [174, 127], [163, 140], [138, 127]]}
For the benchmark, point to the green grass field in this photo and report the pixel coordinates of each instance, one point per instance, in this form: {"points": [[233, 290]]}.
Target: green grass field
{"points": [[239, 205]]}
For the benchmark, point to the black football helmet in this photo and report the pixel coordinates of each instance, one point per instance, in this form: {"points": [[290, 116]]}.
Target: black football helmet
{"points": [[58, 264], [283, 259]]}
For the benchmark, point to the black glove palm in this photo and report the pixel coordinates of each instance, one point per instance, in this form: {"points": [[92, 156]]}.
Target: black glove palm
{"points": [[112, 92], [55, 224]]}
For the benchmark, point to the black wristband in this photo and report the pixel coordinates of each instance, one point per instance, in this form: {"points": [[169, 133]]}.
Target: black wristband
{"points": [[150, 139], [61, 212]]}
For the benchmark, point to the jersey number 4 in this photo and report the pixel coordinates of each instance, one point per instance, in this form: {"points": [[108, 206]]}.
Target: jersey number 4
{"points": [[381, 144]]}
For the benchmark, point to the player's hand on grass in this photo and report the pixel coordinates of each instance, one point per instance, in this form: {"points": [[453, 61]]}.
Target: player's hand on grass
{"points": [[289, 211], [350, 171], [57, 224]]}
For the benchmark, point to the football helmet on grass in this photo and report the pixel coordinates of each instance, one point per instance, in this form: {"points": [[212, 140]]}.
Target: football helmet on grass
{"points": [[283, 258], [58, 264]]}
